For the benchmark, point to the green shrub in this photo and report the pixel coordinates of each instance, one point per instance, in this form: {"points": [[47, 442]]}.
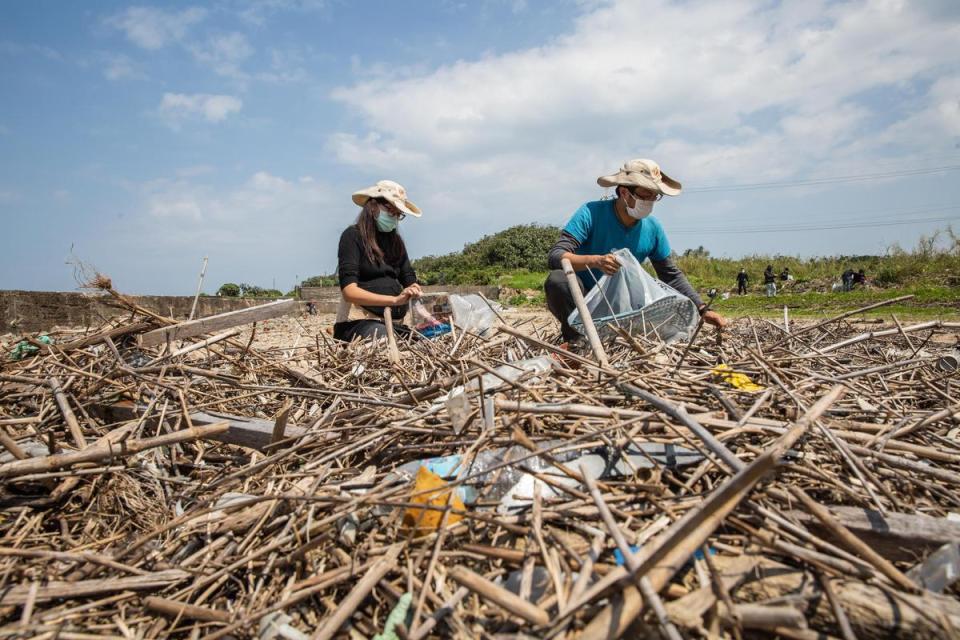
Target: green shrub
{"points": [[229, 290], [523, 247]]}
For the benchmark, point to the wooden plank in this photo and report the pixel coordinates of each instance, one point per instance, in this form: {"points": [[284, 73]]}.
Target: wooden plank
{"points": [[252, 433], [219, 322], [896, 536]]}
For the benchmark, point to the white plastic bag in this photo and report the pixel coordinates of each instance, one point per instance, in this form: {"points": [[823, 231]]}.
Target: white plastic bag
{"points": [[473, 313], [639, 303]]}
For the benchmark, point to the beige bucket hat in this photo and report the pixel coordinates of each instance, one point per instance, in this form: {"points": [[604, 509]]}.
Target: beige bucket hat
{"points": [[390, 191], [642, 173]]}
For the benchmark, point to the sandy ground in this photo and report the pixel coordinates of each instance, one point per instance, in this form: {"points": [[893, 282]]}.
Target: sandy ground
{"points": [[297, 331]]}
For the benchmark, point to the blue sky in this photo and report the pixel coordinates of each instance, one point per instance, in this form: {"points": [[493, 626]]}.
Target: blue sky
{"points": [[146, 136]]}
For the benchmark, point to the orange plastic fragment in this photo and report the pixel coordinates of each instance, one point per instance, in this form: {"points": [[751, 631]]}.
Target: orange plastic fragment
{"points": [[425, 521]]}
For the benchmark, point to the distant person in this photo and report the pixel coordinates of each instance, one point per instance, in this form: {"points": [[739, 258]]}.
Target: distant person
{"points": [[597, 228], [847, 279], [373, 265], [311, 308], [785, 274], [742, 279], [770, 280], [859, 278]]}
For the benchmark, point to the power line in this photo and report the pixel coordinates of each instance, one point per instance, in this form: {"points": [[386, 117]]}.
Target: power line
{"points": [[782, 229], [873, 216], [820, 181]]}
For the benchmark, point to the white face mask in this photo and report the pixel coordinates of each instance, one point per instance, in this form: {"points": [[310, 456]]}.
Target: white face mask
{"points": [[640, 209]]}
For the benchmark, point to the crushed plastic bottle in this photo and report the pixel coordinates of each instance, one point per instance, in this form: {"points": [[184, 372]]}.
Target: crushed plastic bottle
{"points": [[940, 570], [512, 372], [513, 487]]}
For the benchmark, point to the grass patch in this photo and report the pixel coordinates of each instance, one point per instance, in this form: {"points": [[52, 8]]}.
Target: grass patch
{"points": [[929, 303], [524, 279]]}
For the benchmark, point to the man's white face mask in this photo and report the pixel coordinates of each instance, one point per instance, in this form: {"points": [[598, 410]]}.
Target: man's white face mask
{"points": [[640, 209]]}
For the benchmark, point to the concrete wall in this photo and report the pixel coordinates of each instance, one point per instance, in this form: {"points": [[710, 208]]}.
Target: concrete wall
{"points": [[42, 310], [327, 294]]}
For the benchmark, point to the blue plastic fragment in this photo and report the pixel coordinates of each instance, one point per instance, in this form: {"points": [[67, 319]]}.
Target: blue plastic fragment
{"points": [[698, 554], [618, 555], [435, 330]]}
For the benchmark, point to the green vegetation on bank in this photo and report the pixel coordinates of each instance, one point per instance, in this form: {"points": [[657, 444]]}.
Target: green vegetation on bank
{"points": [[515, 259], [928, 302], [244, 290], [519, 249]]}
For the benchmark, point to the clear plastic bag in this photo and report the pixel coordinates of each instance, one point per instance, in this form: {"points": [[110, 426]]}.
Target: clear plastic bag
{"points": [[639, 303], [473, 313]]}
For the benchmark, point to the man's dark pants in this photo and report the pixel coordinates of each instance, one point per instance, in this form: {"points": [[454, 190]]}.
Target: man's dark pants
{"points": [[742, 289], [560, 301]]}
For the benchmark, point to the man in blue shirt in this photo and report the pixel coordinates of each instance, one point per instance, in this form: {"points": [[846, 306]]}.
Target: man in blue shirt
{"points": [[600, 227]]}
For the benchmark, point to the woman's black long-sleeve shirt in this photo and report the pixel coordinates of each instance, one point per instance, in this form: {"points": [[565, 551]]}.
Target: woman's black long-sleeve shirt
{"points": [[387, 278]]}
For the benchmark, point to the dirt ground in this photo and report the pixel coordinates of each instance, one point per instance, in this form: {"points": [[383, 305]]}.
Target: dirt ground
{"points": [[292, 332], [296, 331]]}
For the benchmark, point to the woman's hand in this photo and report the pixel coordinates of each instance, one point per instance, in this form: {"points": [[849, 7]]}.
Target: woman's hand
{"points": [[413, 291]]}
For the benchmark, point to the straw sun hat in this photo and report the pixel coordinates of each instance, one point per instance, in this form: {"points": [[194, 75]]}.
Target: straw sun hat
{"points": [[389, 191], [642, 173]]}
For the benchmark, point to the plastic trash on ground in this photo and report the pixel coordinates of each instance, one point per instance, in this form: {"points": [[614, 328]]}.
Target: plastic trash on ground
{"points": [[397, 615], [429, 489], [277, 625], [539, 583], [458, 408], [639, 303], [473, 313], [512, 372], [430, 315], [458, 403], [513, 487], [940, 570], [350, 523], [739, 381], [24, 348]]}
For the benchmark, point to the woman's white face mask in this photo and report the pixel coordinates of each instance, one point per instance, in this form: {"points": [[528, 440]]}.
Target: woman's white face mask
{"points": [[640, 209]]}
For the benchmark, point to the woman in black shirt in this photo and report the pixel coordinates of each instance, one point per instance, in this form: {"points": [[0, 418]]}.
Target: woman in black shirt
{"points": [[373, 266]]}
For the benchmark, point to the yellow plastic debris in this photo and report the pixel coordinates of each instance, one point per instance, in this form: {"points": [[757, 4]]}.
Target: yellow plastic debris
{"points": [[737, 380], [425, 521]]}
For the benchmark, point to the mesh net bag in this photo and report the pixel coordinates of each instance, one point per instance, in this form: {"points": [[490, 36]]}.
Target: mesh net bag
{"points": [[638, 303]]}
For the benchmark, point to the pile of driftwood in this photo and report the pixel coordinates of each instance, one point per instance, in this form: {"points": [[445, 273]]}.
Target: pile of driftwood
{"points": [[158, 480]]}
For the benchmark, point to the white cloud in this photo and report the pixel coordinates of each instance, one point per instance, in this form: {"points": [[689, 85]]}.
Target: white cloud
{"points": [[265, 208], [224, 53], [177, 107], [120, 67], [257, 11], [735, 91], [152, 28]]}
